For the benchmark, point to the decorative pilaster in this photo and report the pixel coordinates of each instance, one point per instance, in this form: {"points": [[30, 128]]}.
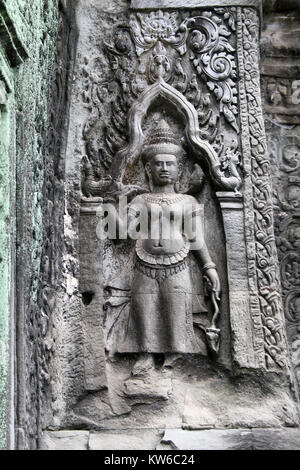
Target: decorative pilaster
{"points": [[264, 286], [91, 290], [244, 339], [7, 224]]}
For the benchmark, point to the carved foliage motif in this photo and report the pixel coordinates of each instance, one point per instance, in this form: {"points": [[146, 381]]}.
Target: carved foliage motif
{"points": [[205, 39], [291, 156], [52, 237], [280, 99], [266, 266], [287, 226], [213, 59], [109, 91], [149, 28], [193, 53]]}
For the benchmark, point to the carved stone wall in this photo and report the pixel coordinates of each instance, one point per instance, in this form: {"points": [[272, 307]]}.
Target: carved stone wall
{"points": [[198, 69], [281, 85], [29, 181], [33, 82], [27, 32], [83, 87]]}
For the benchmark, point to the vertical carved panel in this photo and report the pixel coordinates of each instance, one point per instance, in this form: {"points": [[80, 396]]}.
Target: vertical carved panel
{"points": [[263, 271], [280, 87], [287, 226]]}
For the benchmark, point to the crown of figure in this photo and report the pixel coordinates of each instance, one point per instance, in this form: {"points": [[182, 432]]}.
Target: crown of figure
{"points": [[161, 141]]}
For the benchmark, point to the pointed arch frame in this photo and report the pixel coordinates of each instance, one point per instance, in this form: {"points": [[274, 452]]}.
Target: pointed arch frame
{"points": [[202, 149]]}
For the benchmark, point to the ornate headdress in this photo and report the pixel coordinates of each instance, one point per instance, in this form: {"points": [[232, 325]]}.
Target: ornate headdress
{"points": [[161, 141]]}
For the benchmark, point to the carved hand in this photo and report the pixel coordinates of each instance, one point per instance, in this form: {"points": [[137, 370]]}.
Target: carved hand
{"points": [[211, 276]]}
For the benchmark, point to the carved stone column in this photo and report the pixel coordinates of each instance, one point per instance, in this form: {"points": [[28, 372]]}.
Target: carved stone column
{"points": [[92, 296], [281, 99], [247, 334]]}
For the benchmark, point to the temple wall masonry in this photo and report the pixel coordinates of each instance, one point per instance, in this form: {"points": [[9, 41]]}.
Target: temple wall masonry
{"points": [[149, 205]]}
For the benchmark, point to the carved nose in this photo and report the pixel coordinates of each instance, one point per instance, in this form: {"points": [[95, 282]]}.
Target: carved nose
{"points": [[164, 168]]}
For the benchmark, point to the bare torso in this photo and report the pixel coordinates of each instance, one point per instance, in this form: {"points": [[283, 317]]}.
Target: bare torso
{"points": [[165, 222]]}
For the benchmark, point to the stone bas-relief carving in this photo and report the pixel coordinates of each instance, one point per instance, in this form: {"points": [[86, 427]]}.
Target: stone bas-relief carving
{"points": [[287, 231], [160, 318], [152, 340], [280, 75], [281, 98], [194, 56], [127, 342]]}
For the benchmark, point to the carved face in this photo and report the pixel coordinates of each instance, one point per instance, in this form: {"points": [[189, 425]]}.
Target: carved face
{"points": [[296, 308], [294, 195], [164, 169]]}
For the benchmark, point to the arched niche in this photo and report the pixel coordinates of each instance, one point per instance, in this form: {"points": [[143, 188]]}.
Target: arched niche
{"points": [[203, 151], [129, 170], [227, 203]]}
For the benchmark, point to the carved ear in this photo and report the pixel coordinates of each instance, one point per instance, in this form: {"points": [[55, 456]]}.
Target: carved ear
{"points": [[86, 164], [149, 175], [148, 170], [85, 160], [196, 181]]}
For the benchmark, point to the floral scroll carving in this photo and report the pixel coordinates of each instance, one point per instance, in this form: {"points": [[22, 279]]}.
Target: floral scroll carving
{"points": [[206, 42], [212, 56], [287, 230], [149, 28], [192, 54], [267, 275]]}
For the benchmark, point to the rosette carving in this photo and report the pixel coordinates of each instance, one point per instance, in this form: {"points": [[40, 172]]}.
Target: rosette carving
{"points": [[149, 28]]}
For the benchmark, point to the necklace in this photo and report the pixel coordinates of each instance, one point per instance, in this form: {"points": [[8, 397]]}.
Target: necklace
{"points": [[163, 198]]}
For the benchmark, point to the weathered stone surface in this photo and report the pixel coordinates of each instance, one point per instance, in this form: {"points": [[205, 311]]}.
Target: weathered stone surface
{"points": [[153, 4], [127, 440], [237, 264], [92, 300], [236, 407], [276, 439], [217, 439], [281, 92], [65, 440], [28, 34], [153, 386], [280, 66], [118, 74], [107, 6], [206, 440], [280, 5], [231, 439]]}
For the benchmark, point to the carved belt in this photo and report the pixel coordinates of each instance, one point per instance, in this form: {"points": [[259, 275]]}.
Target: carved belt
{"points": [[159, 272], [164, 260]]}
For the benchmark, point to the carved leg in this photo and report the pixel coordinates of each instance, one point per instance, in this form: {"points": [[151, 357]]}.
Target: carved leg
{"points": [[177, 311], [145, 321]]}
